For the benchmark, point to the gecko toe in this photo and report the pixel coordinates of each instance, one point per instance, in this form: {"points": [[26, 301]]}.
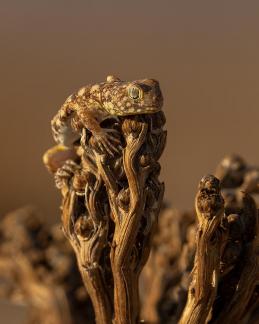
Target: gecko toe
{"points": [[107, 146], [108, 142], [113, 138]]}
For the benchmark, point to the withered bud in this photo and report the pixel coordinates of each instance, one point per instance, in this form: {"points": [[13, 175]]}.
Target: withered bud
{"points": [[81, 179], [84, 227], [209, 183], [145, 160], [124, 198], [131, 128], [118, 168], [209, 200], [231, 171]]}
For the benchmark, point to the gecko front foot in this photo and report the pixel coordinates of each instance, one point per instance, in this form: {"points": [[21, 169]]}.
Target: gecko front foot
{"points": [[108, 142]]}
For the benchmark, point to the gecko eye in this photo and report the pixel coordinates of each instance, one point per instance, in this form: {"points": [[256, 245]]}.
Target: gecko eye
{"points": [[134, 92]]}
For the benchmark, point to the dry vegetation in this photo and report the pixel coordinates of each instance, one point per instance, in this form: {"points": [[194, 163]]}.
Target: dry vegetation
{"points": [[203, 266]]}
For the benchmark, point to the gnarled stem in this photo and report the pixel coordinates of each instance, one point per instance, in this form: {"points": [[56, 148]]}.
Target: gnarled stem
{"points": [[110, 208], [202, 291]]}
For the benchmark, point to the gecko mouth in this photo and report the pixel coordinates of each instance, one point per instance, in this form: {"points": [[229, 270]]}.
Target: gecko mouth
{"points": [[143, 110], [153, 109]]}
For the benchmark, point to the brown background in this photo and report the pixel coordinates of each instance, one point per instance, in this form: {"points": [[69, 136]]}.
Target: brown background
{"points": [[204, 53]]}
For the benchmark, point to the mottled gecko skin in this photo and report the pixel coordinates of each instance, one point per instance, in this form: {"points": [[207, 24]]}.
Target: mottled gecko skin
{"points": [[94, 103]]}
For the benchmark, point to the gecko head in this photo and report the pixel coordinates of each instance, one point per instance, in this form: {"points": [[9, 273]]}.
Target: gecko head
{"points": [[130, 98]]}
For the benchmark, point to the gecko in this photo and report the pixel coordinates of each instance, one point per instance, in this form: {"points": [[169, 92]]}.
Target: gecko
{"points": [[94, 103]]}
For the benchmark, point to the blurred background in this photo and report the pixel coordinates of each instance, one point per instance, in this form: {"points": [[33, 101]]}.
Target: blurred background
{"points": [[204, 53]]}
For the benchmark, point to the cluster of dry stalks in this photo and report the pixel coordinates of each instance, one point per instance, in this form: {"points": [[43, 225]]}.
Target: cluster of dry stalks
{"points": [[203, 266], [110, 207], [201, 269]]}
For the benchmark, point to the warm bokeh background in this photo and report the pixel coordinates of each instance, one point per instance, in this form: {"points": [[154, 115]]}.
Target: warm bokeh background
{"points": [[204, 53]]}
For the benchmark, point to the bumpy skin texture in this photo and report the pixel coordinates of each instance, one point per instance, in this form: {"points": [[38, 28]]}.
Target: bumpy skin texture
{"points": [[94, 103]]}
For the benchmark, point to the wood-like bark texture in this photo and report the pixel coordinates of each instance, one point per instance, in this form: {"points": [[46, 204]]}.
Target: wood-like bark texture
{"points": [[110, 209], [224, 287], [166, 277], [203, 271], [202, 291]]}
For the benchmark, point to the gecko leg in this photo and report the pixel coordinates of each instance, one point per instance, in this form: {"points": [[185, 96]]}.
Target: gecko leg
{"points": [[107, 141], [62, 130], [105, 138]]}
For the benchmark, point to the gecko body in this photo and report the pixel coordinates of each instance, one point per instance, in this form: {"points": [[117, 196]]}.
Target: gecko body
{"points": [[94, 103]]}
